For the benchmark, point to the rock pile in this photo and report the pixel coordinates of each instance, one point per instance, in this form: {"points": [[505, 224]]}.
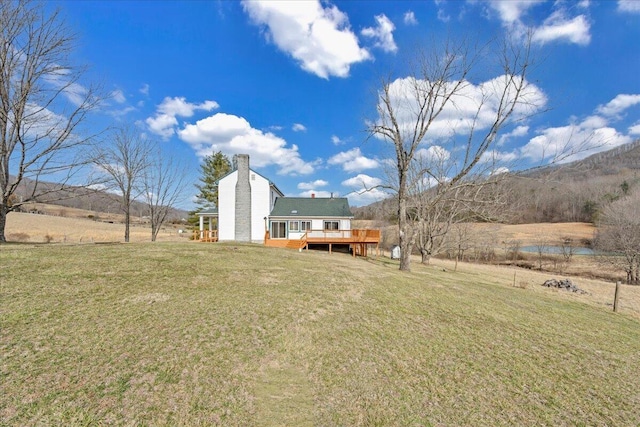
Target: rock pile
{"points": [[563, 284]]}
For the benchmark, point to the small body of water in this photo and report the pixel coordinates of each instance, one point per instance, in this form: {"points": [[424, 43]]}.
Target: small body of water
{"points": [[557, 250]]}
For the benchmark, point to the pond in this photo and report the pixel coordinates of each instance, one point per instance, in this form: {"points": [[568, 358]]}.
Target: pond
{"points": [[557, 250]]}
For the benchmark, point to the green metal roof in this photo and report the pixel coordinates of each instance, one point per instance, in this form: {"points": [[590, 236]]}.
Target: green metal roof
{"points": [[311, 207], [208, 212]]}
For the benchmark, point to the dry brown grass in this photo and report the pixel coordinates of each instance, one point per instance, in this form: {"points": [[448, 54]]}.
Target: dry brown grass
{"points": [[599, 292], [33, 228], [191, 334], [525, 234], [530, 234]]}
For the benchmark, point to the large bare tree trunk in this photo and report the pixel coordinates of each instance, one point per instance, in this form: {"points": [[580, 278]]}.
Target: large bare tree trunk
{"points": [[3, 223], [405, 238]]}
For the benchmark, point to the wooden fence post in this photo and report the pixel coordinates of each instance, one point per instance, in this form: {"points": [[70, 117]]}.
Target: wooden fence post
{"points": [[615, 297]]}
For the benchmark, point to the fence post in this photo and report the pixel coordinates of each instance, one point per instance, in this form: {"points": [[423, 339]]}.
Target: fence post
{"points": [[615, 297]]}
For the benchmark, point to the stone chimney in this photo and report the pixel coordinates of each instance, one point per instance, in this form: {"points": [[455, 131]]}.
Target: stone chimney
{"points": [[243, 199]]}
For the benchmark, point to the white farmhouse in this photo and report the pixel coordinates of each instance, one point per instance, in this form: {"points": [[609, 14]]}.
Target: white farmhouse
{"points": [[245, 199], [252, 209]]}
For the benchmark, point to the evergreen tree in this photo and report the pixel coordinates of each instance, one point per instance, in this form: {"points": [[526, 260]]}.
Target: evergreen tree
{"points": [[214, 167]]}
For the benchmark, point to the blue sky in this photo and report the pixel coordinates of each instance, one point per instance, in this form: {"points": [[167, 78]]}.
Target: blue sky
{"points": [[293, 84]]}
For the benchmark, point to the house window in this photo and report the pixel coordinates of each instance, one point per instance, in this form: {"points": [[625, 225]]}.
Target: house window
{"points": [[305, 225], [294, 226], [278, 229], [331, 225]]}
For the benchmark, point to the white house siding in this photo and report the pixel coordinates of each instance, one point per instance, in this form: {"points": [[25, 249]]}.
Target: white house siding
{"points": [[260, 205], [227, 207], [262, 200]]}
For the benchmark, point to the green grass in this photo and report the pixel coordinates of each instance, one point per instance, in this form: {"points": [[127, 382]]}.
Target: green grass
{"points": [[194, 334]]}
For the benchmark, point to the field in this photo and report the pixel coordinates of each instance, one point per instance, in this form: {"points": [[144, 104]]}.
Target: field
{"points": [[184, 333], [73, 228]]}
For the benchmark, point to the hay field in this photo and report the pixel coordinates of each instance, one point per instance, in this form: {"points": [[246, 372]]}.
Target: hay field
{"points": [[34, 228], [530, 234]]}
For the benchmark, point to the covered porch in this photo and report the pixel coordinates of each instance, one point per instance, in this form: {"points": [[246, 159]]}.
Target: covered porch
{"points": [[208, 230]]}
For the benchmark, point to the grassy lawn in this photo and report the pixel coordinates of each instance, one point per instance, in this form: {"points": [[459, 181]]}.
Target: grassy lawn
{"points": [[193, 334]]}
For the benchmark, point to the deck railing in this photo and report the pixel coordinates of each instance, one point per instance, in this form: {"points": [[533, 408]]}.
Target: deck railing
{"points": [[205, 235], [355, 235]]}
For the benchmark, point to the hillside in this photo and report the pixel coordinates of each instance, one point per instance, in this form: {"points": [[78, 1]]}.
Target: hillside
{"points": [[98, 202], [572, 192], [237, 335]]}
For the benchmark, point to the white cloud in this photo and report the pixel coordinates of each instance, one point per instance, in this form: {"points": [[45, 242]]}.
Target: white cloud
{"points": [[60, 80], [410, 18], [317, 36], [632, 6], [433, 154], [634, 129], [118, 96], [618, 104], [382, 34], [122, 112], [42, 123], [234, 135], [442, 14], [298, 127], [473, 102], [559, 27], [364, 190], [517, 132], [312, 185], [511, 11], [353, 161], [144, 89], [500, 170], [336, 140], [573, 142], [492, 158], [165, 121], [362, 181]]}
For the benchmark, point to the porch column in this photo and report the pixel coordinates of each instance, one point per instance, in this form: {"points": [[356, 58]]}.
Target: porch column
{"points": [[201, 227]]}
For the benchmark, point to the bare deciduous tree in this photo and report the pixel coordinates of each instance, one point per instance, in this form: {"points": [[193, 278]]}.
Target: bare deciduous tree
{"points": [[436, 206], [42, 104], [124, 161], [163, 183], [438, 104], [618, 237]]}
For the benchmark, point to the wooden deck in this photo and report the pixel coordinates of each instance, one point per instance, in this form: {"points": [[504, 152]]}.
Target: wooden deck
{"points": [[358, 240]]}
